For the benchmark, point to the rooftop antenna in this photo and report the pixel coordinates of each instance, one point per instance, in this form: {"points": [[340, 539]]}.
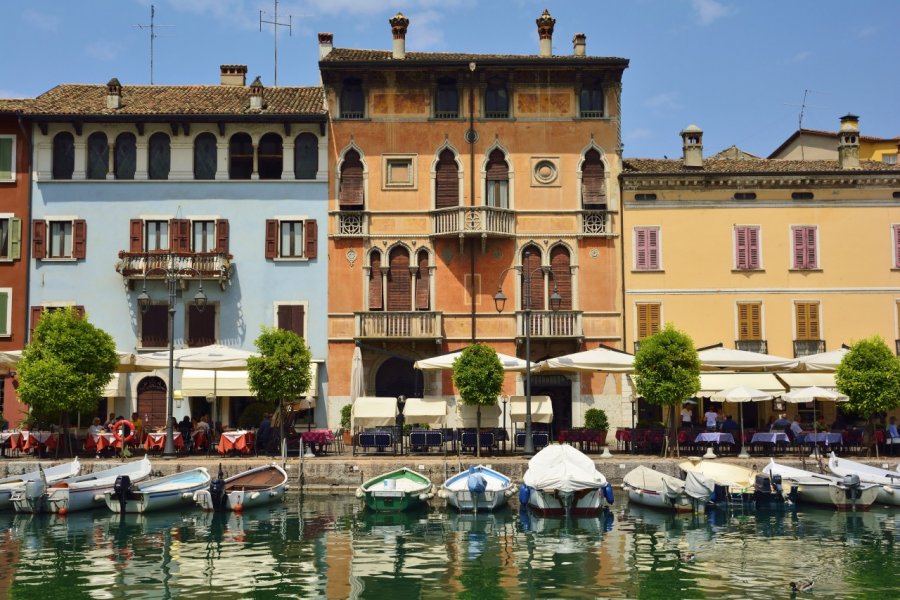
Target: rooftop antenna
{"points": [[275, 25], [153, 35]]}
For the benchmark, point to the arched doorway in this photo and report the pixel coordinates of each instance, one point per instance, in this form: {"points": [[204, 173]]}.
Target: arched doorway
{"points": [[559, 388], [396, 377], [151, 402]]}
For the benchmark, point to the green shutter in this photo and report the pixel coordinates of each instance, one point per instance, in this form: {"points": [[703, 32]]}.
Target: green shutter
{"points": [[15, 238], [6, 158], [4, 306]]}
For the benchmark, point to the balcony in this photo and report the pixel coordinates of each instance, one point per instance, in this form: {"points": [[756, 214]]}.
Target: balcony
{"points": [[416, 325], [212, 266], [595, 223], [759, 346], [463, 221], [808, 347], [351, 224], [551, 324]]}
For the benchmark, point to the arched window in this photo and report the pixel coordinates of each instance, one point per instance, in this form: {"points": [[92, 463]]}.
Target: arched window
{"points": [[560, 264], [240, 156], [351, 186], [353, 105], [375, 291], [496, 100], [271, 156], [534, 277], [98, 156], [125, 161], [591, 100], [398, 284], [593, 181], [446, 99], [63, 155], [160, 156], [497, 180], [446, 181], [306, 156], [205, 156], [423, 281]]}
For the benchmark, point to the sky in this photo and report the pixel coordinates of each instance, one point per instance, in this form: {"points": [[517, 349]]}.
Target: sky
{"points": [[742, 70]]}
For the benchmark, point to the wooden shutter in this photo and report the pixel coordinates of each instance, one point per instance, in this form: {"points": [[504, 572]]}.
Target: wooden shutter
{"points": [[39, 238], [180, 235], [896, 246], [530, 266], [311, 235], [804, 239], [155, 326], [399, 281], [807, 320], [290, 317], [201, 325], [351, 187], [753, 247], [375, 293], [740, 248], [497, 169], [79, 238], [423, 283], [593, 180], [36, 312], [648, 320], [15, 238], [646, 248], [4, 308], [446, 183], [640, 249], [137, 235], [562, 276], [749, 321], [271, 238], [652, 249], [222, 236]]}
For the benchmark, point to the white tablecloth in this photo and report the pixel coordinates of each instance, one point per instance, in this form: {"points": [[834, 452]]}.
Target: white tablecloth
{"points": [[770, 437], [828, 438], [715, 438]]}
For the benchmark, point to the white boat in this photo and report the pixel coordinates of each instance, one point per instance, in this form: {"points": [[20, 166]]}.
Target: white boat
{"points": [[479, 488], [156, 494], [77, 493], [888, 481], [255, 487], [843, 493], [561, 481], [51, 475], [732, 482], [658, 490]]}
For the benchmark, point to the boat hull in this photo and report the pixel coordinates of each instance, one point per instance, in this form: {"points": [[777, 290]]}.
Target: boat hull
{"points": [[403, 489], [888, 482], [831, 494], [238, 498], [498, 489], [11, 485], [660, 500], [393, 500], [585, 503], [160, 494]]}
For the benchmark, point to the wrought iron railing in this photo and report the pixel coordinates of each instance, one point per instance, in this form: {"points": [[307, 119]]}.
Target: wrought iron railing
{"points": [[188, 265], [473, 220], [808, 347], [760, 346], [399, 325], [551, 324]]}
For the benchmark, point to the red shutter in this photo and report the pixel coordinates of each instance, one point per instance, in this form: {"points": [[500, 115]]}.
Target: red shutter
{"points": [[896, 246], [398, 290], [593, 179], [36, 312], [799, 241], [312, 238], [811, 248], [740, 248], [79, 238], [640, 249], [423, 278], [531, 266], [38, 239], [753, 247], [653, 249], [271, 238], [137, 235], [375, 295], [179, 235], [562, 276], [222, 236], [351, 186], [446, 181], [497, 168]]}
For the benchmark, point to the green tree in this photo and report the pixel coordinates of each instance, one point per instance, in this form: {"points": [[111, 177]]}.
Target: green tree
{"points": [[478, 375], [65, 367], [667, 371], [870, 375]]}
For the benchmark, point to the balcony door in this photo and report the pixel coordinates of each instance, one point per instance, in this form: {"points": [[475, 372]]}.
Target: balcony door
{"points": [[151, 402]]}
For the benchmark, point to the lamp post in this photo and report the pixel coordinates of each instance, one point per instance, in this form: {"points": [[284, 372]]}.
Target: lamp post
{"points": [[499, 304], [504, 399], [401, 419], [171, 274]]}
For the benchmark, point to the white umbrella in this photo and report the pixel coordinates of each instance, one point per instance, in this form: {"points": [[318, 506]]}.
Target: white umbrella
{"points": [[720, 357], [811, 394], [740, 395], [824, 361], [596, 359], [212, 357], [357, 377], [445, 361]]}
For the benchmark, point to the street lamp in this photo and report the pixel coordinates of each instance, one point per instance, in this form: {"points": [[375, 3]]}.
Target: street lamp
{"points": [[401, 419], [171, 275], [504, 399], [499, 304]]}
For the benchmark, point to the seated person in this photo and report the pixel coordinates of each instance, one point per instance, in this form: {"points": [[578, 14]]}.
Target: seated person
{"points": [[110, 422], [891, 431], [264, 433], [780, 424], [797, 430], [820, 424], [96, 428], [186, 428], [729, 425], [138, 427]]}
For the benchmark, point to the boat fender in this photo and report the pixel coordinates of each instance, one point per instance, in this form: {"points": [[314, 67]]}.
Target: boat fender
{"points": [[423, 497], [888, 489], [359, 493], [254, 495], [443, 494], [608, 493], [98, 497], [287, 487], [187, 496], [524, 495]]}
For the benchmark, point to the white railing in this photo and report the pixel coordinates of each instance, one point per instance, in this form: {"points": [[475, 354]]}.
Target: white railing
{"points": [[405, 324], [550, 323], [472, 220], [351, 223], [595, 222]]}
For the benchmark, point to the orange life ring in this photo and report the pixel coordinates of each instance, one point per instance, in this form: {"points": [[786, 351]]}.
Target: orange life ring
{"points": [[117, 428]]}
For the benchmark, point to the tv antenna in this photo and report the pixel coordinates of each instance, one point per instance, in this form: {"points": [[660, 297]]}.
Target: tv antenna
{"points": [[275, 25], [153, 35]]}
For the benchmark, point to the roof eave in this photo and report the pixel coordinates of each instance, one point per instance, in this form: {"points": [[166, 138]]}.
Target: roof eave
{"points": [[612, 63], [165, 118]]}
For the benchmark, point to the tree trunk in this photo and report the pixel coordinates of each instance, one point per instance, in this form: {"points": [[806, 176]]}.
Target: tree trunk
{"points": [[478, 432]]}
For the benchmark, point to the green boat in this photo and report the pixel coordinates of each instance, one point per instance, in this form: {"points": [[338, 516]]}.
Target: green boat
{"points": [[398, 490]]}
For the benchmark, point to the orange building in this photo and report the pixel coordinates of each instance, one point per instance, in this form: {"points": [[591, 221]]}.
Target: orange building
{"points": [[453, 175]]}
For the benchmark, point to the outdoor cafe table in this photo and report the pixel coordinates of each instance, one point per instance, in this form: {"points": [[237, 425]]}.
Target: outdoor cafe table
{"points": [[11, 440], [238, 441], [770, 437], [710, 437], [318, 439], [156, 440], [829, 439], [38, 440], [96, 442]]}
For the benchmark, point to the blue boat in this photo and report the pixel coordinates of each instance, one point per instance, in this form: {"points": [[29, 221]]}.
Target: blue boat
{"points": [[479, 488]]}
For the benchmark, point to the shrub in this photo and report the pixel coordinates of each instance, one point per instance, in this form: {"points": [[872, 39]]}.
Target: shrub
{"points": [[595, 418], [346, 411]]}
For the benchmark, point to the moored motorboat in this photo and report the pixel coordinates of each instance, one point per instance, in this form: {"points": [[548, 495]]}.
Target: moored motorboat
{"points": [[155, 494], [888, 482], [733, 482], [562, 481], [254, 487], [479, 488], [51, 475], [843, 493], [651, 488], [76, 493], [398, 490]]}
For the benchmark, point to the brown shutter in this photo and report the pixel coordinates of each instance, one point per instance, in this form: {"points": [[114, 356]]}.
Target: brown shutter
{"points": [[202, 326], [398, 290], [750, 321], [423, 277], [497, 168], [137, 235], [79, 311], [643, 322], [375, 295], [562, 276], [290, 318], [446, 193], [39, 239], [222, 236], [592, 179], [271, 238], [755, 314], [155, 327], [531, 267], [79, 238], [312, 238], [180, 235], [653, 318], [36, 312], [743, 322], [813, 312], [351, 186]]}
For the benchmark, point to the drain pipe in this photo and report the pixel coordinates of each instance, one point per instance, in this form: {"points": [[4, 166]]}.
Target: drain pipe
{"points": [[25, 252], [471, 138]]}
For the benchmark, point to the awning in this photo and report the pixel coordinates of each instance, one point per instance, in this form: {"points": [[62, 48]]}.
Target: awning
{"points": [[710, 383], [116, 386], [200, 382], [445, 362], [490, 415], [597, 359], [719, 357], [430, 411], [802, 380], [541, 409], [374, 411]]}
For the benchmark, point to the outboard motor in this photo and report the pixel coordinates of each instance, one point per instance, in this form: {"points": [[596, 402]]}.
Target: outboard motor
{"points": [[476, 482], [120, 490], [851, 483], [217, 491], [763, 484], [34, 491], [777, 485]]}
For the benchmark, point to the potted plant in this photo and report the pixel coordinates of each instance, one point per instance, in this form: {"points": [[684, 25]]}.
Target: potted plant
{"points": [[596, 421], [346, 411]]}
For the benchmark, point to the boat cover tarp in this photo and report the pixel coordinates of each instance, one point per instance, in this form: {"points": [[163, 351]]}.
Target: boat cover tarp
{"points": [[560, 467]]}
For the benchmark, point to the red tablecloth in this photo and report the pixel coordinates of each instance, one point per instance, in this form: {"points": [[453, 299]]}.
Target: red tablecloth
{"points": [[11, 439], [35, 440], [157, 441], [239, 441], [317, 436], [101, 441]]}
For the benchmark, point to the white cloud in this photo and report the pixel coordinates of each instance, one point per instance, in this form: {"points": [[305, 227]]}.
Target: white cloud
{"points": [[799, 57], [663, 101], [42, 21], [428, 33], [709, 11], [105, 51]]}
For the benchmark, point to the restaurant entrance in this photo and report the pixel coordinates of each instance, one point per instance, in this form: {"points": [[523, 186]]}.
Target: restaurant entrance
{"points": [[559, 388], [396, 377], [151, 402]]}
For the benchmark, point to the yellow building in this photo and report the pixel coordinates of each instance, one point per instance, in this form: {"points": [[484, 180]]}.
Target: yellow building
{"points": [[812, 144]]}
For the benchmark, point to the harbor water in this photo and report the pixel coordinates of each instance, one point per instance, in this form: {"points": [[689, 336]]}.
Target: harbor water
{"points": [[329, 546]]}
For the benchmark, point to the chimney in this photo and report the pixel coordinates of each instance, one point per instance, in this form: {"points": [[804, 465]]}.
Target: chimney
{"points": [[848, 142], [256, 91], [579, 44], [399, 24], [545, 25], [233, 75], [692, 146], [326, 44], [114, 94]]}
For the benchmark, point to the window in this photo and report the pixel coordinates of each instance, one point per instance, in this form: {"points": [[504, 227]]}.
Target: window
{"points": [[38, 311], [896, 231], [204, 236], [97, 156], [446, 99], [644, 197], [446, 180], [802, 196], [160, 156], [353, 104], [648, 317], [10, 237], [399, 292], [62, 238], [646, 248], [271, 156], [179, 235], [291, 317], [889, 159], [745, 196], [125, 160], [7, 158], [497, 180], [205, 156], [804, 247], [423, 282], [156, 237], [560, 265], [746, 248], [807, 321], [496, 100], [593, 181], [63, 155], [591, 101], [155, 326], [376, 296], [399, 171], [201, 325], [749, 321], [350, 195], [240, 156], [5, 311], [291, 238], [306, 156]]}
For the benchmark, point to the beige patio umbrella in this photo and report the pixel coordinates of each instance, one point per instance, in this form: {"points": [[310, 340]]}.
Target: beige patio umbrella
{"points": [[740, 395], [811, 394]]}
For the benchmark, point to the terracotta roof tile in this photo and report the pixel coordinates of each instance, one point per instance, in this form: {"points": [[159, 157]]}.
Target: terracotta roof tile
{"points": [[338, 55], [674, 167], [15, 105]]}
